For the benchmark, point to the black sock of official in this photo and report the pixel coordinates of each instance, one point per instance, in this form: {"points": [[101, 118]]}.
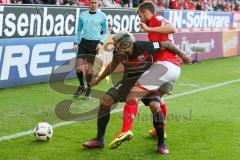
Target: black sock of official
{"points": [[80, 78], [103, 119], [158, 123], [89, 79]]}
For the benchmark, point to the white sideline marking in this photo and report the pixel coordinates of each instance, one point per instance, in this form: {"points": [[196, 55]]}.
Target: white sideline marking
{"points": [[188, 84], [203, 89], [21, 134]]}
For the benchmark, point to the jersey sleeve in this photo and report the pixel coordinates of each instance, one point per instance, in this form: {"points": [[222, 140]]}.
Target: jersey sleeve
{"points": [[152, 47], [160, 21], [104, 29], [79, 30]]}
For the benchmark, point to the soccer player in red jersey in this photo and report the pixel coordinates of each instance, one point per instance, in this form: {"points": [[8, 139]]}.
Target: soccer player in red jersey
{"points": [[159, 29]]}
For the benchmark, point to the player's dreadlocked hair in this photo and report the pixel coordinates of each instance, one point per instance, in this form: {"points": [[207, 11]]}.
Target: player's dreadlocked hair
{"points": [[123, 39]]}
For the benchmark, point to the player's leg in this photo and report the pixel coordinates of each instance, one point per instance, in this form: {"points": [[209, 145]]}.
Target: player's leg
{"points": [[131, 106], [114, 95], [103, 115], [154, 102], [165, 81], [103, 118], [129, 114], [158, 123], [163, 107]]}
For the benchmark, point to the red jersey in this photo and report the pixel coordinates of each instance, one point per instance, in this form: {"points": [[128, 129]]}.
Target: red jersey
{"points": [[164, 55]]}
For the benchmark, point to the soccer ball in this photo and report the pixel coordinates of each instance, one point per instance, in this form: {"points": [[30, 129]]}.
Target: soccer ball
{"points": [[43, 131]]}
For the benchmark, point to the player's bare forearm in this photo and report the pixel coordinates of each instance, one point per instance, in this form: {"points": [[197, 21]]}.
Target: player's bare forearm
{"points": [[105, 73], [108, 70], [173, 48]]}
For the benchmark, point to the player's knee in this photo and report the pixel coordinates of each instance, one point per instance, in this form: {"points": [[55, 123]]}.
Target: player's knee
{"points": [[106, 101], [81, 68], [158, 117], [155, 107], [78, 69], [132, 97]]}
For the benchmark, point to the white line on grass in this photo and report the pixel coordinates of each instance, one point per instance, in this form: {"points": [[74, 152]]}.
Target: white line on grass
{"points": [[203, 89], [4, 138], [188, 84]]}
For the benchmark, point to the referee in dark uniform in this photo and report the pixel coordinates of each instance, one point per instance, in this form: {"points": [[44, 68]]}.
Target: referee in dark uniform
{"points": [[92, 25]]}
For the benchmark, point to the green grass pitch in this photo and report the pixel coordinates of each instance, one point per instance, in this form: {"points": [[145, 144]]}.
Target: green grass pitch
{"points": [[202, 125]]}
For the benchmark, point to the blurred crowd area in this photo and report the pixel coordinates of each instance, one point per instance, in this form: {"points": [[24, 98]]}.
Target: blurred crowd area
{"points": [[205, 5]]}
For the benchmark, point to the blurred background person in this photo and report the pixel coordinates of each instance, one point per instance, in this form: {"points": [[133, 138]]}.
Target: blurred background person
{"points": [[208, 6]]}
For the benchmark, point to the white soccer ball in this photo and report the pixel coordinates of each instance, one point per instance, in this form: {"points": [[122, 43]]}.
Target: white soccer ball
{"points": [[43, 131]]}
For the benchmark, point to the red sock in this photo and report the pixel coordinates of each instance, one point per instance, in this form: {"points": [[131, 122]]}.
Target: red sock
{"points": [[129, 114], [164, 110]]}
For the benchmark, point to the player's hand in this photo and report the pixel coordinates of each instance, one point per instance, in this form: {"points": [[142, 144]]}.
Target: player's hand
{"points": [[75, 48], [144, 27], [99, 47], [186, 59], [94, 81]]}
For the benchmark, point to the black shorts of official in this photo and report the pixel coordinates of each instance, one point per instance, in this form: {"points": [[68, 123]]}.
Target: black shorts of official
{"points": [[120, 91], [87, 50]]}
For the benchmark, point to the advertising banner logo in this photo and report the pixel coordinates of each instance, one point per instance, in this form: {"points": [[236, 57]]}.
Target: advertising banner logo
{"points": [[37, 21], [32, 60], [199, 19], [212, 43]]}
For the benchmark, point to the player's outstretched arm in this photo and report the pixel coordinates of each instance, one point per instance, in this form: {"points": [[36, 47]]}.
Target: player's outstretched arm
{"points": [[173, 48], [108, 70]]}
